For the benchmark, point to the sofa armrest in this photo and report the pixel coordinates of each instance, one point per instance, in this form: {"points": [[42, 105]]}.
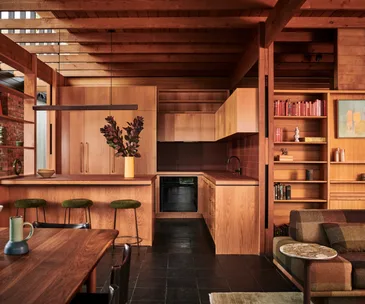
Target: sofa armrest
{"points": [[331, 275]]}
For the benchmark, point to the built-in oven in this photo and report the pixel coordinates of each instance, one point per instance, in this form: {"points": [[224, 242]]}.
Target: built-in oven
{"points": [[178, 194]]}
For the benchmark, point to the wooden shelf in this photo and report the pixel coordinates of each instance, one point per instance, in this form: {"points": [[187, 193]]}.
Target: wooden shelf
{"points": [[190, 101], [16, 147], [299, 143], [346, 182], [301, 181], [14, 92], [301, 200], [302, 91], [348, 163], [5, 117], [301, 162], [300, 117]]}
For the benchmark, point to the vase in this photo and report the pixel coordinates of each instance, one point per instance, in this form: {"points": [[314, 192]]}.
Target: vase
{"points": [[129, 166]]}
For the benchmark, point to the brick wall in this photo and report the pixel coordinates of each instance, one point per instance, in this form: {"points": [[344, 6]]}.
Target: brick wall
{"points": [[14, 131], [247, 149]]}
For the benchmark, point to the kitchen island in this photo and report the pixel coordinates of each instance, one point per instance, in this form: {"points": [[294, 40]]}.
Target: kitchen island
{"points": [[101, 189]]}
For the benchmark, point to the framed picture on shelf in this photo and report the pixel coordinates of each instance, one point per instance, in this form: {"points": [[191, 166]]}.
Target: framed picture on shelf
{"points": [[350, 118]]}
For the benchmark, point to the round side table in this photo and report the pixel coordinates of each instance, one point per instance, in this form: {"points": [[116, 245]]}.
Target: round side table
{"points": [[308, 252]]}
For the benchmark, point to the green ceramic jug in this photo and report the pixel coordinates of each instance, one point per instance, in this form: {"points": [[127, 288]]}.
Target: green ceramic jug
{"points": [[16, 225]]}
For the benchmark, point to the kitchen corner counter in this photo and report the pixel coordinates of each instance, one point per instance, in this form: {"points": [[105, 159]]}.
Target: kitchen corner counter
{"points": [[219, 178], [85, 180]]}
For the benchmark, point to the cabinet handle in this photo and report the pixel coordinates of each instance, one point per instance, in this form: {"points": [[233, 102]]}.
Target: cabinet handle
{"points": [[81, 157], [87, 157]]}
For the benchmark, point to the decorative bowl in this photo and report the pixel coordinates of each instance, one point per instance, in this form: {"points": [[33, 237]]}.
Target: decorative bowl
{"points": [[46, 173]]}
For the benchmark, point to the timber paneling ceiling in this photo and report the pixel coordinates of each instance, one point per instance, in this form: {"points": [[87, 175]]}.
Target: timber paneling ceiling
{"points": [[183, 38]]}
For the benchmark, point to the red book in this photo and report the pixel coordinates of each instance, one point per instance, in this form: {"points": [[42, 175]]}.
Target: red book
{"points": [[324, 105]]}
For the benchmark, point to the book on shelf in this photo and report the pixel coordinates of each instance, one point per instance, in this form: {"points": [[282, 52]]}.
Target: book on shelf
{"points": [[282, 192], [300, 108], [313, 139], [284, 158]]}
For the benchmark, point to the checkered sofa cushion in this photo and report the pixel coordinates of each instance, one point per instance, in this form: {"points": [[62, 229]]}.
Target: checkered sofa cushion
{"points": [[346, 237], [357, 259], [332, 275], [306, 225]]}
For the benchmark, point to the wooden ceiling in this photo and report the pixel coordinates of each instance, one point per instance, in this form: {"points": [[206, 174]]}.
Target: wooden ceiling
{"points": [[183, 38]]}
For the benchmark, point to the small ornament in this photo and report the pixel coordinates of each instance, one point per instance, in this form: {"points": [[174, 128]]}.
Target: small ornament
{"points": [[296, 135], [284, 151]]}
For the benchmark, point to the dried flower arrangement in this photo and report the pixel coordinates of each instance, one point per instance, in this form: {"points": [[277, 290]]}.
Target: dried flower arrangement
{"points": [[114, 136]]}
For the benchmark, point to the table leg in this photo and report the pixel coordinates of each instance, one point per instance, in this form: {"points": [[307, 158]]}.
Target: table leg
{"points": [[307, 282], [91, 282]]}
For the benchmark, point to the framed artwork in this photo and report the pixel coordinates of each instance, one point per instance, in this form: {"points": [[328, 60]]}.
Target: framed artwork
{"points": [[351, 118]]}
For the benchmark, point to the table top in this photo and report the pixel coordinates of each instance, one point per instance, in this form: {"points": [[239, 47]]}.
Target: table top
{"points": [[58, 263], [308, 251]]}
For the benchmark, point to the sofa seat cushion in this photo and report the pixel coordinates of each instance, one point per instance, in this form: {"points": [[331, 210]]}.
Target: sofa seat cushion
{"points": [[331, 275], [346, 237], [357, 259]]}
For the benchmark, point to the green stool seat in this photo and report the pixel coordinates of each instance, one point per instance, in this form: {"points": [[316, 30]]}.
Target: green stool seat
{"points": [[31, 203], [77, 203], [125, 204]]}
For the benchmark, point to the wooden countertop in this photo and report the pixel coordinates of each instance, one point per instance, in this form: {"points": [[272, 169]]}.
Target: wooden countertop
{"points": [[101, 179], [219, 178]]}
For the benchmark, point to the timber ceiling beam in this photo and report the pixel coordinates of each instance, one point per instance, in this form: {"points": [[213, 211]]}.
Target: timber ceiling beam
{"points": [[160, 37], [275, 23], [132, 23], [131, 5], [139, 58], [135, 48]]}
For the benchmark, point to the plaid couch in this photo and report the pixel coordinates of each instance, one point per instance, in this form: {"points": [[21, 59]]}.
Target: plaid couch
{"points": [[346, 272]]}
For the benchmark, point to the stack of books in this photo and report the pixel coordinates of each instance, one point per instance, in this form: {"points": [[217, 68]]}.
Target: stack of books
{"points": [[282, 192], [313, 139]]}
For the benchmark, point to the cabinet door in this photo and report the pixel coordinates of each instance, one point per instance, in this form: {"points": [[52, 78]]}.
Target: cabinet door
{"points": [[96, 149], [76, 142]]}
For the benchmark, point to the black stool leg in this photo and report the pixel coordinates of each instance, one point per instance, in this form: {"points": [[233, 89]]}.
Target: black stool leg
{"points": [[135, 218], [88, 210], [69, 215], [36, 211], [17, 211], [44, 214], [25, 211], [115, 222], [64, 221], [85, 215]]}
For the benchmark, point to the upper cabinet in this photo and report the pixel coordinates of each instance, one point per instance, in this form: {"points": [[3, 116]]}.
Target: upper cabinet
{"points": [[239, 114], [186, 127]]}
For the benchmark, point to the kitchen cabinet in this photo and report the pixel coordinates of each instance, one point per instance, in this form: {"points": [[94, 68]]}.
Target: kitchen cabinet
{"points": [[186, 127], [231, 214], [84, 148], [238, 114]]}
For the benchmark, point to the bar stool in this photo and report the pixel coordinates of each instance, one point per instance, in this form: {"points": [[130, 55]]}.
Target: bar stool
{"points": [[31, 203], [127, 204], [77, 203]]}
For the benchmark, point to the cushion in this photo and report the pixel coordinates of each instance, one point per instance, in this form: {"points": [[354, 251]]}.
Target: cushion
{"points": [[30, 203], [346, 237], [331, 275], [357, 259], [125, 204], [77, 203]]}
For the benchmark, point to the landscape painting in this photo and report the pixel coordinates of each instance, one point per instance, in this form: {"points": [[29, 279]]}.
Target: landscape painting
{"points": [[351, 118]]}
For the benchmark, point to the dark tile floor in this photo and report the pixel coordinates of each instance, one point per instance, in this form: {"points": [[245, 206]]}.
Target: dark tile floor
{"points": [[181, 267]]}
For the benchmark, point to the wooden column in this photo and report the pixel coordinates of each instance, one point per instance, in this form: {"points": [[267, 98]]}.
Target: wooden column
{"points": [[350, 59], [30, 135], [266, 95]]}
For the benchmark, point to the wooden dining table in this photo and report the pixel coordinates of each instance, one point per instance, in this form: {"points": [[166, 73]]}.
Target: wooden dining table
{"points": [[59, 262]]}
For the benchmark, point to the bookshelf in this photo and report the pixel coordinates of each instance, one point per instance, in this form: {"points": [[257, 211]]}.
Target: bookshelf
{"points": [[305, 194]]}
